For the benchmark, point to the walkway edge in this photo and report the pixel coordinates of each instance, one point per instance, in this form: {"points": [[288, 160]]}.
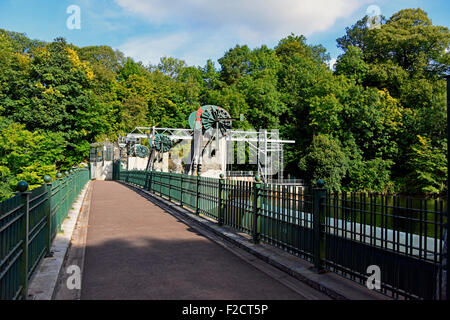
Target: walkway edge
{"points": [[44, 281], [333, 285], [75, 253]]}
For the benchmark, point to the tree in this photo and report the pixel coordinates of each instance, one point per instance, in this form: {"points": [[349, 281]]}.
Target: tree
{"points": [[134, 113], [210, 75], [356, 35], [6, 183], [109, 59], [410, 40], [302, 68], [20, 42], [428, 165], [352, 64], [370, 176], [234, 64], [259, 85], [131, 68], [325, 160], [405, 58], [26, 155], [357, 127], [171, 67]]}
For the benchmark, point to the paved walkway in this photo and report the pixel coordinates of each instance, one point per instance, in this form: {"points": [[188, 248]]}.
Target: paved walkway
{"points": [[136, 250]]}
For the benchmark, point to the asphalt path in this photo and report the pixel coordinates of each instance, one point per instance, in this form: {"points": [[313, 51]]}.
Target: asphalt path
{"points": [[136, 250]]}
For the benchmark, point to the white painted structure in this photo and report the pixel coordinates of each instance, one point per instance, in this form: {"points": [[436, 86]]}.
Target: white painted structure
{"points": [[266, 146]]}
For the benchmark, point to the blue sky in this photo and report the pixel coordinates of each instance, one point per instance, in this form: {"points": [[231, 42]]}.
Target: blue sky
{"points": [[196, 30]]}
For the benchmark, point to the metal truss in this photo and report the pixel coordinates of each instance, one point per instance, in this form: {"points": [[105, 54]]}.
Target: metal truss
{"points": [[265, 145]]}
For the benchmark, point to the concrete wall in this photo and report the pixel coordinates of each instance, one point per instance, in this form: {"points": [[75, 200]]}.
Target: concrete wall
{"points": [[161, 162], [100, 171], [136, 163], [214, 165]]}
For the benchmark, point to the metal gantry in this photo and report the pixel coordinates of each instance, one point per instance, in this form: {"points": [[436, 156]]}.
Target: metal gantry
{"points": [[265, 145], [266, 149]]}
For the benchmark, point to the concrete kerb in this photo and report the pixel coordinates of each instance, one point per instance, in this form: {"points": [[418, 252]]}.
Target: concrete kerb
{"points": [[75, 253], [43, 283], [333, 285]]}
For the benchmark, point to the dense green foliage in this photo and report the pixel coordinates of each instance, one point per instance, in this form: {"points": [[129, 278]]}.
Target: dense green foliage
{"points": [[376, 123]]}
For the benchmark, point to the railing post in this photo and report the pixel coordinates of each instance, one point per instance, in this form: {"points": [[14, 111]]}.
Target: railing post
{"points": [[446, 255], [196, 194], [66, 201], [146, 180], [73, 181], [161, 178], [442, 275], [181, 189], [220, 206], [48, 186], [170, 184], [22, 186], [150, 182], [256, 206], [319, 196], [145, 184]]}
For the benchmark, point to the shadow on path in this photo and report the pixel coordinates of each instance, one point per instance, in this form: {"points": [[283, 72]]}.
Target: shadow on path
{"points": [[136, 250]]}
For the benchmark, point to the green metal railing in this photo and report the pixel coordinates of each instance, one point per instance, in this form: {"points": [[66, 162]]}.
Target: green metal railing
{"points": [[340, 232], [28, 223]]}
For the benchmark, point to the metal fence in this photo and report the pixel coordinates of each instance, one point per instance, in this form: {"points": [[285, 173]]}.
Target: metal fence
{"points": [[28, 223], [339, 232]]}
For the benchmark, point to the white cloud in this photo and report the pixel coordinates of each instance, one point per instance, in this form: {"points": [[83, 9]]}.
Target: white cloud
{"points": [[332, 63], [194, 49], [272, 18], [150, 49], [206, 28]]}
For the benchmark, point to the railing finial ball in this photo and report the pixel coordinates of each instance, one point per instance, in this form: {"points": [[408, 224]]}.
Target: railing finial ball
{"points": [[320, 183], [22, 186]]}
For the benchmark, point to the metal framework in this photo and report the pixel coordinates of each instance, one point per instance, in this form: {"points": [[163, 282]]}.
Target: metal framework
{"points": [[264, 144]]}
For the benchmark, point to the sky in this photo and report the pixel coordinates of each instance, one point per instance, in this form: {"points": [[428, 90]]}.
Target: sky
{"points": [[197, 30]]}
